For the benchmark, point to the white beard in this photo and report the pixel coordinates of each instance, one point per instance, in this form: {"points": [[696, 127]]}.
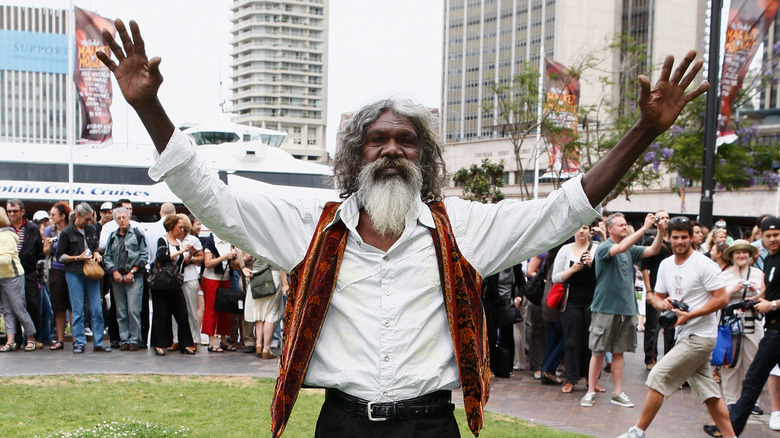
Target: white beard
{"points": [[389, 200]]}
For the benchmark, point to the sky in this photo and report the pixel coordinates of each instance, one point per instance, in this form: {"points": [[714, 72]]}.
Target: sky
{"points": [[376, 49]]}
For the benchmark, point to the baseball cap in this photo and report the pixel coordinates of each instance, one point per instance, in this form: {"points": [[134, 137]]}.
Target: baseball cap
{"points": [[40, 215], [106, 206], [770, 223]]}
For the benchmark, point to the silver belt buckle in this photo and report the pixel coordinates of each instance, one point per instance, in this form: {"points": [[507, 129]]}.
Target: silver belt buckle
{"points": [[369, 405]]}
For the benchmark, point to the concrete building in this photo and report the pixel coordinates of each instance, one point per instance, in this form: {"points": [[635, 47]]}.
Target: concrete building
{"points": [[280, 70], [33, 75]]}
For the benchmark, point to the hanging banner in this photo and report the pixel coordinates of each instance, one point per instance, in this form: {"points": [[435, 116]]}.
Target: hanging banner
{"points": [[92, 78], [747, 26], [561, 103]]}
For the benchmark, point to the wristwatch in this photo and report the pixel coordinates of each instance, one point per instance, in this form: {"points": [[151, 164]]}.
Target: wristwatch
{"points": [[774, 305]]}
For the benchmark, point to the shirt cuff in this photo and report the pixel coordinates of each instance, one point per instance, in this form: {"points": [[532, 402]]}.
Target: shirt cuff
{"points": [[573, 188], [177, 153]]}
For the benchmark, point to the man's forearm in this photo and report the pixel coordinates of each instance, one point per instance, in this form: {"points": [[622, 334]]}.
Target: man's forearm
{"points": [[157, 123], [655, 247], [605, 175]]}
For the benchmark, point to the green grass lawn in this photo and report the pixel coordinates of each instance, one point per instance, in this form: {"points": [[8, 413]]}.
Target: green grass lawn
{"points": [[205, 406]]}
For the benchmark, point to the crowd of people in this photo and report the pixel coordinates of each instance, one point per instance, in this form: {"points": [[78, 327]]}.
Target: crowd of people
{"points": [[613, 274], [47, 283]]}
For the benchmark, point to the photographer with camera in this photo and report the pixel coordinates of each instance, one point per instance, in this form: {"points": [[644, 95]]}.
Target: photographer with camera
{"points": [[744, 286], [686, 280]]}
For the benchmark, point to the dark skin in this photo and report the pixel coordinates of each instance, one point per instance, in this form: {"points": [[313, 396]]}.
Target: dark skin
{"points": [[139, 79]]}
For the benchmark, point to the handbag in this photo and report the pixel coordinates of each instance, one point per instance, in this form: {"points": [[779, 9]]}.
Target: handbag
{"points": [[93, 270], [555, 296], [729, 343], [533, 290], [163, 277], [229, 300], [262, 282], [507, 315]]}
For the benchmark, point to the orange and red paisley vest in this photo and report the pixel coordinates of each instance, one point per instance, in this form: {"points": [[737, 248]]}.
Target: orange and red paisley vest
{"points": [[311, 286]]}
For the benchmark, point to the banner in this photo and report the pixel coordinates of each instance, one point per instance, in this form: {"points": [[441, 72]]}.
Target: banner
{"points": [[747, 26], [560, 105], [33, 51], [92, 78]]}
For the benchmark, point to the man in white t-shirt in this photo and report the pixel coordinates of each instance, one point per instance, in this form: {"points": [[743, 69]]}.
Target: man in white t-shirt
{"points": [[690, 278]]}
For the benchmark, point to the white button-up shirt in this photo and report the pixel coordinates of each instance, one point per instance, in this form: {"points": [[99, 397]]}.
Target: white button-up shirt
{"points": [[385, 336]]}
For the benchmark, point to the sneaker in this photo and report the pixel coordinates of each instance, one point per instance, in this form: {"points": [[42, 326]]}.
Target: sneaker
{"points": [[588, 400], [712, 430], [757, 410], [88, 332], [621, 400], [633, 432], [774, 420]]}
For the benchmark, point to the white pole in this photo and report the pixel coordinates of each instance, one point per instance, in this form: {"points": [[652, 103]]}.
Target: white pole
{"points": [[70, 98], [538, 147]]}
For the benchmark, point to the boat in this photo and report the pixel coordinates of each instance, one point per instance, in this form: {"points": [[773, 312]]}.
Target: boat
{"points": [[243, 156]]}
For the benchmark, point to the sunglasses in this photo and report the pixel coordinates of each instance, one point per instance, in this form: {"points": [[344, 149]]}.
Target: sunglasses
{"points": [[679, 220]]}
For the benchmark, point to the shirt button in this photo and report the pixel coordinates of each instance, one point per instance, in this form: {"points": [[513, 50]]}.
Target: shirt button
{"points": [[387, 358], [384, 393], [386, 258], [387, 292], [387, 323]]}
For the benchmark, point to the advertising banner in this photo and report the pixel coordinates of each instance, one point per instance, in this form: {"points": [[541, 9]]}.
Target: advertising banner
{"points": [[747, 26], [560, 104], [33, 51], [92, 78]]}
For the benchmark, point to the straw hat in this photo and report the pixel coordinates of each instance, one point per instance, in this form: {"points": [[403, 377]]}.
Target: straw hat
{"points": [[739, 245]]}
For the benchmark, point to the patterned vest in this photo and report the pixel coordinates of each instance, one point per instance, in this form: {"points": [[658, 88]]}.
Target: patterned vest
{"points": [[312, 284]]}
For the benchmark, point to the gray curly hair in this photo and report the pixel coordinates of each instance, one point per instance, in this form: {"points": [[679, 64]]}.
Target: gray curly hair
{"points": [[349, 158]]}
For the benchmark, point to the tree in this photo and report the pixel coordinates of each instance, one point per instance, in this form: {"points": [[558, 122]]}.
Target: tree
{"points": [[516, 115], [482, 183]]}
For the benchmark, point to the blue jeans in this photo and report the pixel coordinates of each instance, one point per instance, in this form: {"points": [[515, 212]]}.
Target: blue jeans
{"points": [[128, 301], [553, 351], [47, 315], [767, 356], [80, 286]]}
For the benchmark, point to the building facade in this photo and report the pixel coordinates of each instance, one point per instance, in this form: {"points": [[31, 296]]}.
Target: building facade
{"points": [[280, 71], [33, 75]]}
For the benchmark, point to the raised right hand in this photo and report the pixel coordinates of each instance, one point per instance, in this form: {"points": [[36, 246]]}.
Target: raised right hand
{"points": [[138, 77]]}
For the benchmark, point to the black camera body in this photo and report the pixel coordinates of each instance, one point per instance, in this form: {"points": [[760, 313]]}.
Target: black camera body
{"points": [[669, 318], [747, 307]]}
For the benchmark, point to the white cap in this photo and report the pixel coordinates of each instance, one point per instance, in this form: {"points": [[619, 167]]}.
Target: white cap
{"points": [[106, 206], [40, 215]]}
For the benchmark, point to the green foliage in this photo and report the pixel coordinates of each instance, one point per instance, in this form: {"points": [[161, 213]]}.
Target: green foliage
{"points": [[126, 428], [482, 183]]}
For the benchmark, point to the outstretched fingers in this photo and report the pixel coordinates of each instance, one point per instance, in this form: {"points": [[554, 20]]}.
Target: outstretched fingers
{"points": [[112, 44], [682, 68], [139, 46], [127, 42], [698, 91], [666, 70]]}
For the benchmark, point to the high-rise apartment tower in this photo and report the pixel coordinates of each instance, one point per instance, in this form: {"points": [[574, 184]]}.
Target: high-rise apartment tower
{"points": [[280, 70]]}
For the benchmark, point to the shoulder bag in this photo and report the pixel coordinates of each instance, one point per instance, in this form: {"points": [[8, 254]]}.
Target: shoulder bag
{"points": [[262, 282], [230, 300], [165, 276], [92, 270], [533, 290]]}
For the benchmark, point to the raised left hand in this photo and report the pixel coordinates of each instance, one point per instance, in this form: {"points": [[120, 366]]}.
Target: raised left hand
{"points": [[660, 106]]}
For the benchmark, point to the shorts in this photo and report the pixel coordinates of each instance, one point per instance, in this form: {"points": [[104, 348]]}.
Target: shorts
{"points": [[58, 291], [689, 360], [613, 333]]}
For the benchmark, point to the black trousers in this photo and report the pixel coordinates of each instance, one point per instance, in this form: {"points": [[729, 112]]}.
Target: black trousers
{"points": [[575, 321], [335, 421], [651, 333], [32, 297], [169, 303]]}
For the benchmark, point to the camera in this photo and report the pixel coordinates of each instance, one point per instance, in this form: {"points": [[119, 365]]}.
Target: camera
{"points": [[669, 318], [747, 307], [747, 284], [54, 239]]}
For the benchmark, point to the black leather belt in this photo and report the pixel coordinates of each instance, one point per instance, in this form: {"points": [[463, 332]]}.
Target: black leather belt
{"points": [[435, 404]]}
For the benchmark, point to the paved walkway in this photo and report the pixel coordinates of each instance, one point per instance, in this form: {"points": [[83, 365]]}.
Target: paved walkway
{"points": [[519, 396]]}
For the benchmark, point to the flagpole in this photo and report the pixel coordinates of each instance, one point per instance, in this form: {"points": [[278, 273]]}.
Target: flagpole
{"points": [[711, 117], [538, 147], [70, 98]]}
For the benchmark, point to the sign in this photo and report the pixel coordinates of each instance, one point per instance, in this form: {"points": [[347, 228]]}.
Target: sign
{"points": [[748, 23], [92, 78], [561, 102], [55, 191], [33, 51]]}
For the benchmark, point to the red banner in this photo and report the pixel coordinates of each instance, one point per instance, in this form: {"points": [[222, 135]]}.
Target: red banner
{"points": [[748, 23], [92, 78], [560, 104]]}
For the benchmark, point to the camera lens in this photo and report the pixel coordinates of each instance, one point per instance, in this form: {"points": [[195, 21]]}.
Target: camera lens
{"points": [[667, 319]]}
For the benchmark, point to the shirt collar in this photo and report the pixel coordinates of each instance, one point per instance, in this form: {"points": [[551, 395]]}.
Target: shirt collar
{"points": [[349, 213]]}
